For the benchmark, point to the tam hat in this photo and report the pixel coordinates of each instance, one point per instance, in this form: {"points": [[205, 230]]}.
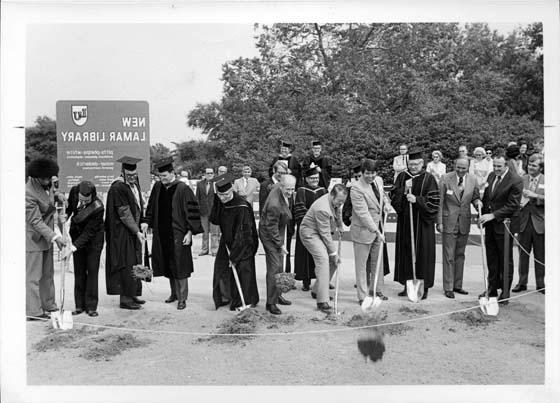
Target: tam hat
{"points": [[312, 170], [129, 163], [287, 144], [164, 164], [416, 155], [315, 143], [223, 182]]}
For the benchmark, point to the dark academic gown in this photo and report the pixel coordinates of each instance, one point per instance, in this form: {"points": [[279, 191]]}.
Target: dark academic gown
{"points": [[240, 236], [303, 261], [172, 212], [123, 249], [322, 162], [424, 211]]}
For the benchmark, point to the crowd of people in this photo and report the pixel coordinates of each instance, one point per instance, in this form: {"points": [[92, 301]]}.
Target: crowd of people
{"points": [[506, 187]]}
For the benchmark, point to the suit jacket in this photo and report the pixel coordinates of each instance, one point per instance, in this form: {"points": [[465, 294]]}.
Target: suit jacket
{"points": [[455, 211], [366, 212], [205, 200], [534, 208], [504, 201], [399, 165], [249, 192], [39, 217], [264, 191], [321, 221], [276, 216]]}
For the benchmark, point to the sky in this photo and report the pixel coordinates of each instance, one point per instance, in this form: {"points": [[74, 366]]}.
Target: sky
{"points": [[171, 66]]}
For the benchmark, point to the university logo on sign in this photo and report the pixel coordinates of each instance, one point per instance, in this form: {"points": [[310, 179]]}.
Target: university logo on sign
{"points": [[79, 114]]}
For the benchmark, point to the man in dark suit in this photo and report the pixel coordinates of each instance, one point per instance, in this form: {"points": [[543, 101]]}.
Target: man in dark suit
{"points": [[279, 168], [457, 191], [531, 234], [501, 200], [276, 215], [205, 197]]}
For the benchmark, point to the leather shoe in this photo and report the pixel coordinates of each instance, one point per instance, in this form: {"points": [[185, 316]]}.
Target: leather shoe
{"points": [[324, 307], [38, 317], [172, 298], [314, 296], [138, 301], [380, 295], [305, 288], [425, 295], [52, 309], [181, 305], [519, 288], [203, 253], [542, 291], [360, 301], [77, 311], [283, 301], [501, 299], [449, 294], [93, 313], [460, 291], [273, 309], [129, 305], [224, 303], [402, 293], [331, 287]]}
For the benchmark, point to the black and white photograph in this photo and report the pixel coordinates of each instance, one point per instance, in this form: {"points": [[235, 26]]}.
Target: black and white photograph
{"points": [[267, 194]]}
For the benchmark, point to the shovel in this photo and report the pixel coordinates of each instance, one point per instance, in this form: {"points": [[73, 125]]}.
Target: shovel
{"points": [[414, 287], [338, 265], [370, 303], [488, 306], [62, 319], [238, 284]]}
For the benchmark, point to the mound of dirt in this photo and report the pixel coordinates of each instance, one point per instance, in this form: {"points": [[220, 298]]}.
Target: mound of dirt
{"points": [[396, 330], [366, 320], [415, 311], [112, 345], [472, 318], [57, 339]]}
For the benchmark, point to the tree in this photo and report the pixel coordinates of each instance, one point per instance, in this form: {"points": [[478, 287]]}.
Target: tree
{"points": [[40, 140]]}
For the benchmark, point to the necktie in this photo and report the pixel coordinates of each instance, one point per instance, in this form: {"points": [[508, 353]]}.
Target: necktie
{"points": [[496, 183], [533, 185], [246, 183], [375, 191], [461, 187]]}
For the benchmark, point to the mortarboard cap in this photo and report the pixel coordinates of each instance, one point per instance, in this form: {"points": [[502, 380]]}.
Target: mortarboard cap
{"points": [[86, 188], [223, 182], [416, 154], [164, 164], [129, 163], [312, 170], [288, 144], [316, 143]]}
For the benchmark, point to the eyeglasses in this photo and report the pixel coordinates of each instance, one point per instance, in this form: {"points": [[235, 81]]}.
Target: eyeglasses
{"points": [[488, 152]]}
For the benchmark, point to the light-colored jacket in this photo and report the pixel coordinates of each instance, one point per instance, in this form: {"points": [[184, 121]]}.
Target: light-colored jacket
{"points": [[248, 192], [455, 211], [39, 217], [366, 211], [321, 221], [399, 164]]}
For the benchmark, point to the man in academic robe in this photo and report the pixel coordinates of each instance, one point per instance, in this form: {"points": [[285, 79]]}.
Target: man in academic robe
{"points": [[531, 229], [304, 267], [417, 187], [86, 232], [322, 163], [238, 247], [40, 217], [294, 166], [276, 215], [174, 216], [501, 200], [123, 235], [458, 190]]}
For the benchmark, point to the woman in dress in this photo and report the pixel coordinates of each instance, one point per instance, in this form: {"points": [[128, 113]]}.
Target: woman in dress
{"points": [[481, 167], [436, 167]]}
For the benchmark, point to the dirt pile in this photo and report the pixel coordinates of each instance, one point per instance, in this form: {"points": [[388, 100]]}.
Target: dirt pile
{"points": [[57, 339], [472, 318], [111, 345], [414, 311]]}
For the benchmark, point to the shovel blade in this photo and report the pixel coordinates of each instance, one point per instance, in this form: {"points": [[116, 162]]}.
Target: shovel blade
{"points": [[415, 290], [489, 306], [67, 321], [367, 304], [56, 319]]}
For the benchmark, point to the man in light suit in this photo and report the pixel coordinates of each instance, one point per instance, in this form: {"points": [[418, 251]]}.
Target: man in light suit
{"points": [[276, 215], [316, 229], [531, 235], [205, 195], [500, 201], [368, 201], [457, 191], [40, 238], [246, 186], [400, 162]]}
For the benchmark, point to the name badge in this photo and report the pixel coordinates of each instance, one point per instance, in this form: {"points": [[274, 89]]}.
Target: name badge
{"points": [[541, 186], [449, 191]]}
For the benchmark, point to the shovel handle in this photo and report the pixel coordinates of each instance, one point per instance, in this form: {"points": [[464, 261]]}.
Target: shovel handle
{"points": [[237, 283], [412, 245], [483, 249]]}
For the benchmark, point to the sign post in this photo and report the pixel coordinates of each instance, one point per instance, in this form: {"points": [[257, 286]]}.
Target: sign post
{"points": [[92, 135]]}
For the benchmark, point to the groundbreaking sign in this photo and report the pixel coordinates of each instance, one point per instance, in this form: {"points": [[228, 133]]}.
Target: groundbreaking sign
{"points": [[92, 135]]}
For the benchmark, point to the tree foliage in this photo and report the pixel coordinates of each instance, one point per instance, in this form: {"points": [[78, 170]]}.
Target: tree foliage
{"points": [[40, 140], [365, 88]]}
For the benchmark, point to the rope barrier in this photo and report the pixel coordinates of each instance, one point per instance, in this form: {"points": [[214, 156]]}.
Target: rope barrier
{"points": [[519, 245], [298, 333]]}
